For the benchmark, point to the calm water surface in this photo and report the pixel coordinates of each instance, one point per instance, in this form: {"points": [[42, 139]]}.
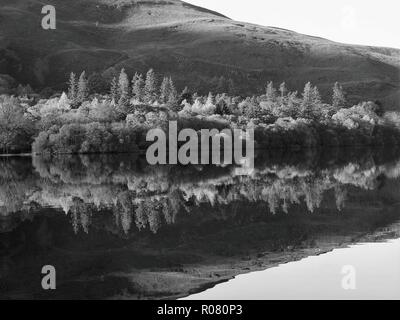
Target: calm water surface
{"points": [[115, 227], [376, 269]]}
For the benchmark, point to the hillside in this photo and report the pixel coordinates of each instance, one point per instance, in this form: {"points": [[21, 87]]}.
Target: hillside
{"points": [[193, 45]]}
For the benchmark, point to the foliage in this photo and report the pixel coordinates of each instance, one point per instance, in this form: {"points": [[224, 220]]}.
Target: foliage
{"points": [[92, 137], [338, 97], [77, 122], [123, 87], [138, 87], [83, 89], [72, 88], [16, 127], [150, 87]]}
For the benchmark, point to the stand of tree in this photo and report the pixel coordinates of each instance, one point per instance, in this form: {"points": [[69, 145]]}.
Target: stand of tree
{"points": [[81, 120]]}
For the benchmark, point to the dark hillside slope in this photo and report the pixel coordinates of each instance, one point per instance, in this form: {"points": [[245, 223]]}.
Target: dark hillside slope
{"points": [[194, 45]]}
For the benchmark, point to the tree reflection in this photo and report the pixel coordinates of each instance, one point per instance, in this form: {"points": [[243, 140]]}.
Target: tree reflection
{"points": [[143, 197]]}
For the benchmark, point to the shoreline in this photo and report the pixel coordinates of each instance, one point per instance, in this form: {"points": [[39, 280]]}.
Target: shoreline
{"points": [[10, 155], [142, 152]]}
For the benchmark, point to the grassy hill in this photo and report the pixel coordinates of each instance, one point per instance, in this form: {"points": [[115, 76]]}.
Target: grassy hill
{"points": [[193, 45]]}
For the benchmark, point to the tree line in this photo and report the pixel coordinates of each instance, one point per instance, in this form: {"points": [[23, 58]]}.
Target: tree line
{"points": [[83, 121], [144, 89], [147, 89]]}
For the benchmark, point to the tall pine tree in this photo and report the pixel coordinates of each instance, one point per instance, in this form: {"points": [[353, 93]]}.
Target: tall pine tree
{"points": [[270, 92], [83, 90], [138, 87], [338, 97], [165, 90], [307, 102], [150, 87], [123, 87], [114, 89], [283, 90], [311, 101], [173, 93], [316, 97], [72, 88], [210, 99]]}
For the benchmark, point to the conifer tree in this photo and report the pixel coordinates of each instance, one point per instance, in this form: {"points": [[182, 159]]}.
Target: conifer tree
{"points": [[82, 88], [338, 97], [316, 97], [165, 90], [173, 93], [210, 99], [114, 89], [283, 90], [292, 104], [138, 87], [311, 101], [270, 92], [307, 94], [72, 88], [150, 87], [307, 102], [172, 87], [222, 106], [123, 88]]}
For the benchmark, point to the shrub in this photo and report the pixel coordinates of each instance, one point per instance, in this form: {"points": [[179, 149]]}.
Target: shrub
{"points": [[93, 137]]}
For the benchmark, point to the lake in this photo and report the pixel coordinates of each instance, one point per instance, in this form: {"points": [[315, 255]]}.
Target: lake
{"points": [[376, 270], [302, 224]]}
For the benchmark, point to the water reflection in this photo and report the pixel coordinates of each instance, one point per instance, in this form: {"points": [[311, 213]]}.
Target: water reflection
{"points": [[147, 197], [377, 276], [133, 230]]}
